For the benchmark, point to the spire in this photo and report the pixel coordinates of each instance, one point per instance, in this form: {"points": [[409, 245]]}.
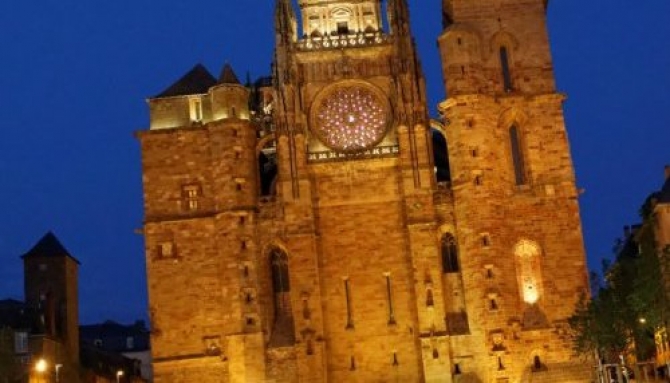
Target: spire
{"points": [[228, 76], [398, 11], [285, 24], [50, 247], [197, 81]]}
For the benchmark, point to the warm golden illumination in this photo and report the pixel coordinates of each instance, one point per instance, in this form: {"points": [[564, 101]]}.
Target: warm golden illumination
{"points": [[41, 366], [529, 271], [530, 293]]}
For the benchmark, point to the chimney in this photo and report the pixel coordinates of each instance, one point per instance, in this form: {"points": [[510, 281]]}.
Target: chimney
{"points": [[667, 172]]}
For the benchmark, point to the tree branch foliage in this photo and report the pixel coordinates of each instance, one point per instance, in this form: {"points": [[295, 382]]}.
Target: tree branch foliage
{"points": [[630, 303]]}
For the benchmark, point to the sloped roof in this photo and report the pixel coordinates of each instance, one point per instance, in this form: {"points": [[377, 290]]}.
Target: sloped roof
{"points": [[228, 76], [49, 246], [197, 81]]}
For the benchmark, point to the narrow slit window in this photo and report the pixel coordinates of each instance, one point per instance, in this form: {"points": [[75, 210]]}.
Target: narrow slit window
{"points": [[389, 296], [505, 67], [191, 194], [347, 293], [517, 156]]}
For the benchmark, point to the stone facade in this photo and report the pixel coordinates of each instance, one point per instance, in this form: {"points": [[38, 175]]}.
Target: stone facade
{"points": [[357, 265]]}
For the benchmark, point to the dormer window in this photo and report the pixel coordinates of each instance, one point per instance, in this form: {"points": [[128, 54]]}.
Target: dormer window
{"points": [[195, 109]]}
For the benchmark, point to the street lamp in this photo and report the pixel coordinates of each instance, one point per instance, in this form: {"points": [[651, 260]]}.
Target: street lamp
{"points": [[119, 374], [41, 367]]}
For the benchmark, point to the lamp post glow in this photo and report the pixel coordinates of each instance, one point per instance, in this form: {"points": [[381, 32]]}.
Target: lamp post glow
{"points": [[119, 374], [41, 367]]}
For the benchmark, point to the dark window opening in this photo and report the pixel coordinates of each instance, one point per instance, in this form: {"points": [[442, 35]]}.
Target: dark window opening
{"points": [[342, 28], [268, 173], [493, 305], [449, 254], [517, 156], [447, 20], [504, 64], [440, 157]]}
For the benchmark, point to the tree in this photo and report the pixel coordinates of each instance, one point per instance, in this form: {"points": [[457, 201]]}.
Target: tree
{"points": [[631, 303]]}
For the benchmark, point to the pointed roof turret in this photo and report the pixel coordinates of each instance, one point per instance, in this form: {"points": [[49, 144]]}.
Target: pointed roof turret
{"points": [[197, 81], [228, 76], [285, 20], [50, 247]]}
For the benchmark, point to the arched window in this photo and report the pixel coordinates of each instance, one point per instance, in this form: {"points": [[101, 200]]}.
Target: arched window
{"points": [[517, 156], [529, 272], [281, 285], [449, 254], [283, 329], [505, 67], [279, 264]]}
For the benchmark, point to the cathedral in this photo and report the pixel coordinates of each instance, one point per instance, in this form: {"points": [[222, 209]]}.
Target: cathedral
{"points": [[318, 226]]}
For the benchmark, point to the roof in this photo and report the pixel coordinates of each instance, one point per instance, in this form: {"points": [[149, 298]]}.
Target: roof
{"points": [[197, 81], [48, 246], [114, 337], [228, 76]]}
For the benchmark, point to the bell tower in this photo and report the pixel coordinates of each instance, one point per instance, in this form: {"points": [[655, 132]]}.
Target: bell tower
{"points": [[515, 199], [356, 181]]}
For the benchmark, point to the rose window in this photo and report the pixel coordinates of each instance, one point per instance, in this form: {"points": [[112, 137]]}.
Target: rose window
{"points": [[351, 119]]}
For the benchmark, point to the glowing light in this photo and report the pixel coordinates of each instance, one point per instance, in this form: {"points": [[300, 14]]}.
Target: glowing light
{"points": [[351, 118], [530, 293], [41, 366]]}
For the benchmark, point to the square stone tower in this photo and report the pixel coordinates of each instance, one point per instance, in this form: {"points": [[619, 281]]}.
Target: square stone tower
{"points": [[319, 227]]}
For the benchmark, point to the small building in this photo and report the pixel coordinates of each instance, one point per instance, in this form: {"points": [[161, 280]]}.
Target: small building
{"points": [[39, 336], [129, 341]]}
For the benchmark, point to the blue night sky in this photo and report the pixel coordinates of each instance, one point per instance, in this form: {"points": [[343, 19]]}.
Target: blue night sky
{"points": [[75, 74]]}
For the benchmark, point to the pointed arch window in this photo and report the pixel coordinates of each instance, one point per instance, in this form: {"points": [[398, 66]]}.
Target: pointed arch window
{"points": [[279, 264], [283, 329], [281, 285], [450, 262], [505, 67], [517, 156]]}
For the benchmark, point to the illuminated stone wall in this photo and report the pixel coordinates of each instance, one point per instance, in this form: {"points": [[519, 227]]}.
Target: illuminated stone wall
{"points": [[515, 198], [339, 275]]}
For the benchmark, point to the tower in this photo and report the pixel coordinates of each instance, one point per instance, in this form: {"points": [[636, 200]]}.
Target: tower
{"points": [[322, 228], [516, 215], [51, 289]]}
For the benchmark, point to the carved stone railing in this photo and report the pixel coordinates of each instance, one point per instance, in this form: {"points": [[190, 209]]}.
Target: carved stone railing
{"points": [[343, 41], [379, 151]]}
